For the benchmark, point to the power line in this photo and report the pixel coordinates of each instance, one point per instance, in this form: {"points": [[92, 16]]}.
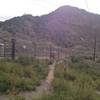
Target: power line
{"points": [[86, 3], [95, 36]]}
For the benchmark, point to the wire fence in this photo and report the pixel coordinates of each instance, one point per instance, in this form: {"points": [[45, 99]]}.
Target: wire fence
{"points": [[13, 49], [5, 48]]}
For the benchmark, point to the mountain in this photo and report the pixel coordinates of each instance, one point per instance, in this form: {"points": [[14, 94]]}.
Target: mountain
{"points": [[66, 27]]}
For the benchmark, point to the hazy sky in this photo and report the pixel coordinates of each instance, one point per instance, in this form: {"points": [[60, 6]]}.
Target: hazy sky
{"points": [[10, 8]]}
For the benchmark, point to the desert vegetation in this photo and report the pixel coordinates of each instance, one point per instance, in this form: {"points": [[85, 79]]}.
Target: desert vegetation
{"points": [[65, 32], [23, 74], [78, 81]]}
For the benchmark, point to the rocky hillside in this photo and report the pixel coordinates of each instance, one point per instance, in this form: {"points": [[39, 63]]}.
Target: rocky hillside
{"points": [[65, 27]]}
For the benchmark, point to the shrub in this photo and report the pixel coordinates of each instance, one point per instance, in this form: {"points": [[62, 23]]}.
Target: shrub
{"points": [[25, 60], [75, 59], [17, 76], [5, 84], [84, 88], [16, 98]]}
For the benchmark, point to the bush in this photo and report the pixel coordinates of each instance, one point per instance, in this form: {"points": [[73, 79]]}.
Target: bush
{"points": [[84, 88], [25, 60], [5, 84], [18, 76], [75, 59], [73, 84], [16, 98]]}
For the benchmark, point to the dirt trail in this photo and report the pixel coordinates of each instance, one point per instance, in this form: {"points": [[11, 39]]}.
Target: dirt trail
{"points": [[43, 88], [46, 84]]}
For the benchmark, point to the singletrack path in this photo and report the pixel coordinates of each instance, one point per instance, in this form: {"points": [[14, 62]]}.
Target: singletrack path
{"points": [[44, 87]]}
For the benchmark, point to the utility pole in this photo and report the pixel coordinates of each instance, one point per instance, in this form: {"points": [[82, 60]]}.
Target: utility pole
{"points": [[35, 50], [13, 48], [13, 43], [95, 46], [58, 53], [4, 49], [95, 36], [51, 55]]}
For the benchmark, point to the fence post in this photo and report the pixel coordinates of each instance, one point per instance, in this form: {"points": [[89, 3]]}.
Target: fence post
{"points": [[13, 49]]}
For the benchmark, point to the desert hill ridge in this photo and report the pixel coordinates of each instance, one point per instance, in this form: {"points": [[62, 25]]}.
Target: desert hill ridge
{"points": [[65, 27]]}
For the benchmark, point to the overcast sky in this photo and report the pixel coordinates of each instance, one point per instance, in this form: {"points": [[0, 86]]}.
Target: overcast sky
{"points": [[11, 8]]}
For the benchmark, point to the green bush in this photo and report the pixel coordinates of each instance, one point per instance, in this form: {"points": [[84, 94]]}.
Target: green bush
{"points": [[18, 76], [25, 60], [75, 59], [5, 84], [16, 98], [75, 83], [84, 88]]}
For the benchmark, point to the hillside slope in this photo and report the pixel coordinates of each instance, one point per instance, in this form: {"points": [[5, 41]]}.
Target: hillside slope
{"points": [[65, 27]]}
